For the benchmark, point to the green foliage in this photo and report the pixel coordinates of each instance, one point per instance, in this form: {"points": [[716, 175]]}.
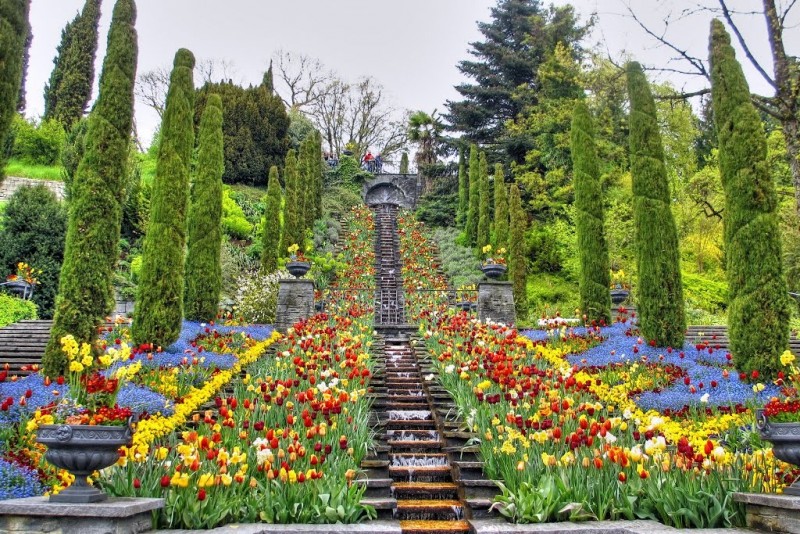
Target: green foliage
{"points": [[458, 262], [463, 189], [704, 293], [85, 293], [257, 296], [438, 207], [594, 281], [14, 30], [300, 128], [404, 163], [67, 94], [13, 309], [255, 127], [33, 232], [159, 302], [484, 217], [36, 172], [551, 294], [292, 225], [758, 312], [37, 144], [234, 221], [271, 236], [660, 292], [501, 218], [471, 228], [516, 252], [203, 269], [72, 152]]}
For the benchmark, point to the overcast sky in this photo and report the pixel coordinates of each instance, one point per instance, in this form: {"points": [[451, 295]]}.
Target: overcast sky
{"points": [[412, 47]]}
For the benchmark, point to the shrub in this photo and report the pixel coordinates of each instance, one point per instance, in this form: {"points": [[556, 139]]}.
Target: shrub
{"points": [[257, 296], [235, 261], [234, 221], [34, 232], [705, 294], [13, 309], [458, 261], [38, 143], [549, 294]]}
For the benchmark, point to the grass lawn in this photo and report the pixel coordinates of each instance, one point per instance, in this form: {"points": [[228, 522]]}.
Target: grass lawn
{"points": [[21, 169]]}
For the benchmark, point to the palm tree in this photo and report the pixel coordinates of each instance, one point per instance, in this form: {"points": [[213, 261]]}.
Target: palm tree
{"points": [[425, 130]]}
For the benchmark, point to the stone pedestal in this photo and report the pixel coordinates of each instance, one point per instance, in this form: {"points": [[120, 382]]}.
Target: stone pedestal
{"points": [[295, 302], [496, 302], [122, 515], [771, 512]]}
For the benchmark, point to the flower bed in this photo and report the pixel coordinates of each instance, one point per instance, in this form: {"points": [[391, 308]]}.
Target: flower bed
{"points": [[594, 423]]}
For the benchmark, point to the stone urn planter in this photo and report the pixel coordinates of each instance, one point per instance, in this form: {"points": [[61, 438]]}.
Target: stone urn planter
{"points": [[464, 305], [20, 288], [619, 295], [298, 269], [82, 450], [493, 271], [785, 439]]}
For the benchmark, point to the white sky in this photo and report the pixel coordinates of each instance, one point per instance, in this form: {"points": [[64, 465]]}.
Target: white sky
{"points": [[411, 47]]}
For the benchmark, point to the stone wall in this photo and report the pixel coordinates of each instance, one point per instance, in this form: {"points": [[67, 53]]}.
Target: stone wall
{"points": [[402, 190], [11, 184]]}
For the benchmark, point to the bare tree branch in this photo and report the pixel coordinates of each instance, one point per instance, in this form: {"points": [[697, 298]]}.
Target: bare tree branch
{"points": [[683, 96], [305, 79], [727, 14]]}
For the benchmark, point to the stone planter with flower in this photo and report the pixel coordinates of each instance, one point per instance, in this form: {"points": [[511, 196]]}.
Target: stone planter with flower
{"points": [[620, 288], [23, 281], [494, 263], [88, 426], [297, 265]]}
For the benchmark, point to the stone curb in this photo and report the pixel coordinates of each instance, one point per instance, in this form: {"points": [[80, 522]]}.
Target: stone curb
{"points": [[500, 526], [118, 507], [372, 527]]}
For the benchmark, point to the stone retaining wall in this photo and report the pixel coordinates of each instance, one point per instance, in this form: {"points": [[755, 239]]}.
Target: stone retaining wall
{"points": [[12, 183]]}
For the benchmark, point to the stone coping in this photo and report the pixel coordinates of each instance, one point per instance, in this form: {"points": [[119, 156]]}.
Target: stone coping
{"points": [[500, 526], [114, 507], [370, 527], [773, 500]]}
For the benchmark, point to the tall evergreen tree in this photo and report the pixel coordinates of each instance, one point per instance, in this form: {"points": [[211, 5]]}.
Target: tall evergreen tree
{"points": [[517, 267], [203, 267], [595, 279], [22, 102], [519, 37], [484, 217], [304, 184], [292, 233], [159, 303], [269, 82], [501, 217], [404, 163], [758, 311], [660, 293], [474, 196], [272, 224], [14, 29], [85, 293], [463, 189], [316, 189], [69, 90]]}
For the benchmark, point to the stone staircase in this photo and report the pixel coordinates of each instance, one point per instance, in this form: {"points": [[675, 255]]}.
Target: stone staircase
{"points": [[22, 346]]}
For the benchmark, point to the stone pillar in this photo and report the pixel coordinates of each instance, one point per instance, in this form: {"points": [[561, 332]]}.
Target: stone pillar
{"points": [[496, 302], [295, 302], [769, 512]]}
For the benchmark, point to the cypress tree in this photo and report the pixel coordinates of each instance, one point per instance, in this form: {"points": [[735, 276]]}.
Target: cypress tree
{"points": [[272, 224], [474, 197], [483, 206], [595, 279], [516, 252], [404, 163], [203, 268], [26, 59], [85, 293], [501, 218], [660, 293], [316, 191], [269, 82], [463, 189], [758, 309], [14, 29], [159, 303], [303, 185], [291, 215], [69, 90]]}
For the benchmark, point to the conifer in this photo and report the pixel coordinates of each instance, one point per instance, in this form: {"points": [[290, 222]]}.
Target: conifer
{"points": [[14, 30], [203, 268], [516, 252], [484, 218], [501, 217], [758, 309], [291, 217], [474, 196], [594, 278], [272, 224], [463, 189], [404, 163], [660, 293], [159, 302], [85, 294], [67, 94]]}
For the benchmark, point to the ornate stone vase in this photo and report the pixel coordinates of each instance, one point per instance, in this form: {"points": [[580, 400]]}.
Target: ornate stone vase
{"points": [[82, 450], [493, 271], [298, 269], [464, 305], [20, 288], [619, 295], [785, 439]]}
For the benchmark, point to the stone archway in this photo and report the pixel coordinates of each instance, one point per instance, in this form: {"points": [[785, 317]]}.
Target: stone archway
{"points": [[400, 190]]}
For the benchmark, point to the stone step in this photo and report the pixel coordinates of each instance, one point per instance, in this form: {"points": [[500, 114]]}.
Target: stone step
{"points": [[425, 490], [435, 527], [429, 509]]}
